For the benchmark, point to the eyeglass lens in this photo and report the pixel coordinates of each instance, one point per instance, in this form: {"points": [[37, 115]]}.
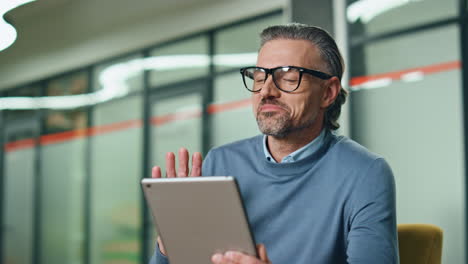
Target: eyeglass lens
{"points": [[285, 78]]}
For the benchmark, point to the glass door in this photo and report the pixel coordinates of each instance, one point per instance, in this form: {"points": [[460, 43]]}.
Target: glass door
{"points": [[19, 191], [177, 120]]}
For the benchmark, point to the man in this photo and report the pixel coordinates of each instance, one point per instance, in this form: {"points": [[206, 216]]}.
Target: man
{"points": [[311, 196]]}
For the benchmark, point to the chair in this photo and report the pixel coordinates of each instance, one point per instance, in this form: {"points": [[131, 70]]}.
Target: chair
{"points": [[420, 244]]}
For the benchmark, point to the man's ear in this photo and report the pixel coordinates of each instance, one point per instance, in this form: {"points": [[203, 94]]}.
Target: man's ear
{"points": [[332, 89]]}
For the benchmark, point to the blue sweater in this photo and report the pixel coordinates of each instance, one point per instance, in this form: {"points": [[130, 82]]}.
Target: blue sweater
{"points": [[334, 206]]}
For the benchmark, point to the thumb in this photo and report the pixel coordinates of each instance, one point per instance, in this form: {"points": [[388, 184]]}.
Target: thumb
{"points": [[161, 246], [261, 250]]}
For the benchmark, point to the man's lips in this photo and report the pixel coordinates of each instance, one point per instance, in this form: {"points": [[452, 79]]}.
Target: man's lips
{"points": [[270, 108]]}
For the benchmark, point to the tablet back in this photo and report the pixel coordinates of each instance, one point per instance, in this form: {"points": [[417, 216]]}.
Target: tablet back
{"points": [[198, 216]]}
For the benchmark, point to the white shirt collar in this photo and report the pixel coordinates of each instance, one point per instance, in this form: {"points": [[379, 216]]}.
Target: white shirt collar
{"points": [[299, 154]]}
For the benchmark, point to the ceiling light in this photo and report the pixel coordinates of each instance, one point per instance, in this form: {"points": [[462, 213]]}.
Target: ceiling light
{"points": [[114, 78], [8, 32], [366, 10]]}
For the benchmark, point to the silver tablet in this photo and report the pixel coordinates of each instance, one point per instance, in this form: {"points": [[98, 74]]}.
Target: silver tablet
{"points": [[198, 216]]}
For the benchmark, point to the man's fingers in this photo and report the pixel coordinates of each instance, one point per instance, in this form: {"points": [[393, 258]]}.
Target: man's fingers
{"points": [[262, 253], [183, 168], [217, 258], [170, 165], [156, 172], [183, 163], [161, 246], [234, 257], [196, 164]]}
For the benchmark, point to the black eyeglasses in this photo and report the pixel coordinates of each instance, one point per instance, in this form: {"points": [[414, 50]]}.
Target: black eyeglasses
{"points": [[286, 78]]}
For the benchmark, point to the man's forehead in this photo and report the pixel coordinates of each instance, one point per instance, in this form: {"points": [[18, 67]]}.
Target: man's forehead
{"points": [[285, 52]]}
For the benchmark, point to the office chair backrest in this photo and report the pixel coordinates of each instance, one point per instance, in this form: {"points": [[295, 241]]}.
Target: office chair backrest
{"points": [[420, 244]]}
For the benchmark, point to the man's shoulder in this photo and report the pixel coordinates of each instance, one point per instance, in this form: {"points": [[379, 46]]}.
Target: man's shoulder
{"points": [[362, 165], [352, 152]]}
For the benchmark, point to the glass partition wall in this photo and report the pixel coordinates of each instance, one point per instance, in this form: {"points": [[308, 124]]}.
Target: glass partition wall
{"points": [[19, 191], [407, 105], [74, 169]]}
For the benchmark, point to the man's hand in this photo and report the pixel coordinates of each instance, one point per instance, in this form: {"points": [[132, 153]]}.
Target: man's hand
{"points": [[234, 257], [183, 171]]}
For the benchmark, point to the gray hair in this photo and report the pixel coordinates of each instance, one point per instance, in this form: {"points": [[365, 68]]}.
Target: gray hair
{"points": [[328, 52]]}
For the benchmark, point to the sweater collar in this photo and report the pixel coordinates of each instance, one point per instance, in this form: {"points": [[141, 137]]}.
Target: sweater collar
{"points": [[297, 167], [299, 154]]}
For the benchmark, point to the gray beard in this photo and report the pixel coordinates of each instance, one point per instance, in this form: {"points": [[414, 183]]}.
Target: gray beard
{"points": [[279, 125]]}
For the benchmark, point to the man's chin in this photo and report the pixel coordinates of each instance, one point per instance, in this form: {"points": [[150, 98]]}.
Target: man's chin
{"points": [[269, 114], [270, 129], [272, 123]]}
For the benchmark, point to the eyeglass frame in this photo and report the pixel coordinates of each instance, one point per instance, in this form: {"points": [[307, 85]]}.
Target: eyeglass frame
{"points": [[269, 71]]}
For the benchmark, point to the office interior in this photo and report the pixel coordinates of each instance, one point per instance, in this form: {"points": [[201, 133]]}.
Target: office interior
{"points": [[93, 93]]}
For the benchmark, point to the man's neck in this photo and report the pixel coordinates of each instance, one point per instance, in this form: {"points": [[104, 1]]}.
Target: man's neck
{"points": [[281, 147]]}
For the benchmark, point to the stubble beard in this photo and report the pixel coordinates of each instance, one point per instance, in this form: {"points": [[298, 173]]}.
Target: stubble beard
{"points": [[279, 125]]}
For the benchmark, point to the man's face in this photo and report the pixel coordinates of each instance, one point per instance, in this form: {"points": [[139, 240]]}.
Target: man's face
{"points": [[279, 113]]}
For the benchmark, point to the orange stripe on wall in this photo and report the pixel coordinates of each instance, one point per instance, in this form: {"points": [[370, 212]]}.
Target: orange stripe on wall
{"points": [[98, 130], [161, 120], [431, 69], [20, 144], [216, 108], [62, 136], [212, 109], [93, 131]]}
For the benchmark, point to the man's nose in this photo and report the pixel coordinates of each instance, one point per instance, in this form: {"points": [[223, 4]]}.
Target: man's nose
{"points": [[269, 89]]}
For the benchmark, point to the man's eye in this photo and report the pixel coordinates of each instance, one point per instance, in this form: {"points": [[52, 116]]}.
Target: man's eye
{"points": [[290, 80]]}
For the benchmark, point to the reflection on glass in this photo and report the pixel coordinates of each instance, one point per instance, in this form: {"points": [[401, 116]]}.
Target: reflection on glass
{"points": [[59, 121], [20, 135], [18, 214], [242, 39], [118, 112], [69, 85], [116, 193], [62, 201], [189, 59], [229, 91], [32, 91], [119, 77], [28, 91], [417, 127], [176, 122], [18, 190], [368, 17], [414, 120], [407, 52], [113, 81]]}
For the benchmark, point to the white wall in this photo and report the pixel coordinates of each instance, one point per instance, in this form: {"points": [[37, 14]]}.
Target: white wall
{"points": [[70, 36]]}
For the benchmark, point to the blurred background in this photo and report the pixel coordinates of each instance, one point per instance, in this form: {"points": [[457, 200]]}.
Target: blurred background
{"points": [[93, 93]]}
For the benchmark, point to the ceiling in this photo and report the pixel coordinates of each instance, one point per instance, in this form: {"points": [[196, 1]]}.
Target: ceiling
{"points": [[102, 11], [55, 36]]}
